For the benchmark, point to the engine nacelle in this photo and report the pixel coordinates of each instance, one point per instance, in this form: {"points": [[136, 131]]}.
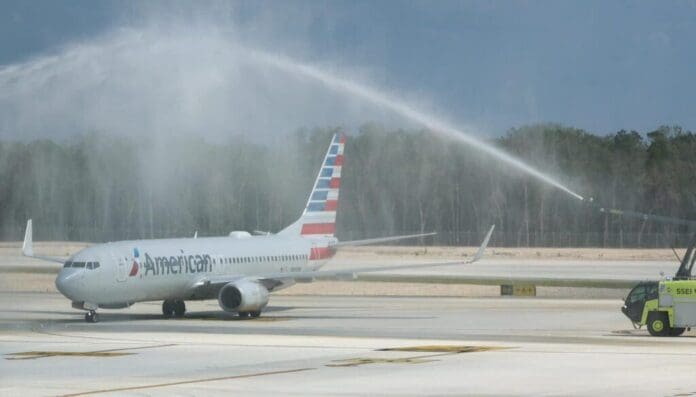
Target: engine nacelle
{"points": [[243, 296]]}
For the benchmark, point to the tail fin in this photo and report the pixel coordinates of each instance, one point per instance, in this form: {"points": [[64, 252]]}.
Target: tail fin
{"points": [[319, 216]]}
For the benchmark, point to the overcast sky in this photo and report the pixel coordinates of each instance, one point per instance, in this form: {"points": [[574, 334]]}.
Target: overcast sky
{"points": [[601, 66]]}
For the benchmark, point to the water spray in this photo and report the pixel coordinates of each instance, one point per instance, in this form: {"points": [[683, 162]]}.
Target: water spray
{"points": [[440, 127], [437, 126]]}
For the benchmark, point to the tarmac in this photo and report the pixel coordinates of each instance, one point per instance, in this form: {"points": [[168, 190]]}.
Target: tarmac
{"points": [[338, 345], [318, 342]]}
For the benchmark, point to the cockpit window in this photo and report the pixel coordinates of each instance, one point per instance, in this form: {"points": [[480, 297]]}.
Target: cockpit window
{"points": [[78, 264], [67, 264]]}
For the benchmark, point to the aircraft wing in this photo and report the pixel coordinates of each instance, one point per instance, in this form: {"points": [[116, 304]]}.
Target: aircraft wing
{"points": [[273, 280], [28, 247], [380, 240]]}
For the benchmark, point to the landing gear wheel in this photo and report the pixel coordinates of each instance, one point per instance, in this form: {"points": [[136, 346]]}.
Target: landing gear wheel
{"points": [[168, 308], [243, 314], [255, 314], [676, 331], [658, 324], [179, 308], [91, 316]]}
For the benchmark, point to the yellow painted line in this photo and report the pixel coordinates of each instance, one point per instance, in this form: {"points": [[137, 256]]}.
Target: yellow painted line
{"points": [[31, 355], [42, 354], [188, 382], [354, 362], [438, 350]]}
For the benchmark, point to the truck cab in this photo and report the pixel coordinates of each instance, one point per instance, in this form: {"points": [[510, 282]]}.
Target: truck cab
{"points": [[635, 301]]}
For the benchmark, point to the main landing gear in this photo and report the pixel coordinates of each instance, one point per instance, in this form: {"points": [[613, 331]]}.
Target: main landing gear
{"points": [[253, 314], [173, 308], [91, 316]]}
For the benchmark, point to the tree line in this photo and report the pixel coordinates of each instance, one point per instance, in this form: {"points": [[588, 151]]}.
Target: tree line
{"points": [[97, 187]]}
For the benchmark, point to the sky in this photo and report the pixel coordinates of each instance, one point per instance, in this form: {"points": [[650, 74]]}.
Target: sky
{"points": [[490, 65]]}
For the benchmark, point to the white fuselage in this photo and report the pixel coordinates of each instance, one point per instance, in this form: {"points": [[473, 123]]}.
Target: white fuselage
{"points": [[122, 273]]}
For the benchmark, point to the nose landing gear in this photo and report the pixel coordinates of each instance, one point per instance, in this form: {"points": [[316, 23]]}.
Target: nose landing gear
{"points": [[91, 316]]}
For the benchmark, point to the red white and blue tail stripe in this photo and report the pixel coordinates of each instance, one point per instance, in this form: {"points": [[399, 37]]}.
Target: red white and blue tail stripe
{"points": [[319, 216]]}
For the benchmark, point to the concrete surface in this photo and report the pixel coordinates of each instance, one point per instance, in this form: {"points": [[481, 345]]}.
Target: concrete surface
{"points": [[466, 341], [328, 345]]}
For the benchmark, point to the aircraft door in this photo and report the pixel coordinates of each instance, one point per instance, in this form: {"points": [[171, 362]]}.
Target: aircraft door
{"points": [[121, 269], [313, 253]]}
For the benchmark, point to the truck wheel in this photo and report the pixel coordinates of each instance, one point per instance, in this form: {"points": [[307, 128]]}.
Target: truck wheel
{"points": [[658, 324], [676, 331]]}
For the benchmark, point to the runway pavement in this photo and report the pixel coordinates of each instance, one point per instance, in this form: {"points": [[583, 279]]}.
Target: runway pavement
{"points": [[336, 345]]}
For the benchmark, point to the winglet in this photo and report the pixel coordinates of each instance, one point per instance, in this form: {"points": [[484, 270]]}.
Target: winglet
{"points": [[482, 248], [28, 246]]}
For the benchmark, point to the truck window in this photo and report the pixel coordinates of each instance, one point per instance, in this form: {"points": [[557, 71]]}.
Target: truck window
{"points": [[638, 294]]}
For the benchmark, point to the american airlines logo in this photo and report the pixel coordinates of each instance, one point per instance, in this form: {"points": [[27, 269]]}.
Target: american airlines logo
{"points": [[182, 264]]}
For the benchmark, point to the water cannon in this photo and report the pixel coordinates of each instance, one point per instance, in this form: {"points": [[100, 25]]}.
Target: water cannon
{"points": [[590, 202]]}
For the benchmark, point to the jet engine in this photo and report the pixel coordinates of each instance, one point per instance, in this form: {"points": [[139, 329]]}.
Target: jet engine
{"points": [[243, 296]]}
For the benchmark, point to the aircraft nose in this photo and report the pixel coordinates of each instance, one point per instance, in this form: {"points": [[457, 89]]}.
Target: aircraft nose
{"points": [[66, 280]]}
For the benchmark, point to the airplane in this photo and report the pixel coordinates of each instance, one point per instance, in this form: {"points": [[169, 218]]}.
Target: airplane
{"points": [[239, 270]]}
